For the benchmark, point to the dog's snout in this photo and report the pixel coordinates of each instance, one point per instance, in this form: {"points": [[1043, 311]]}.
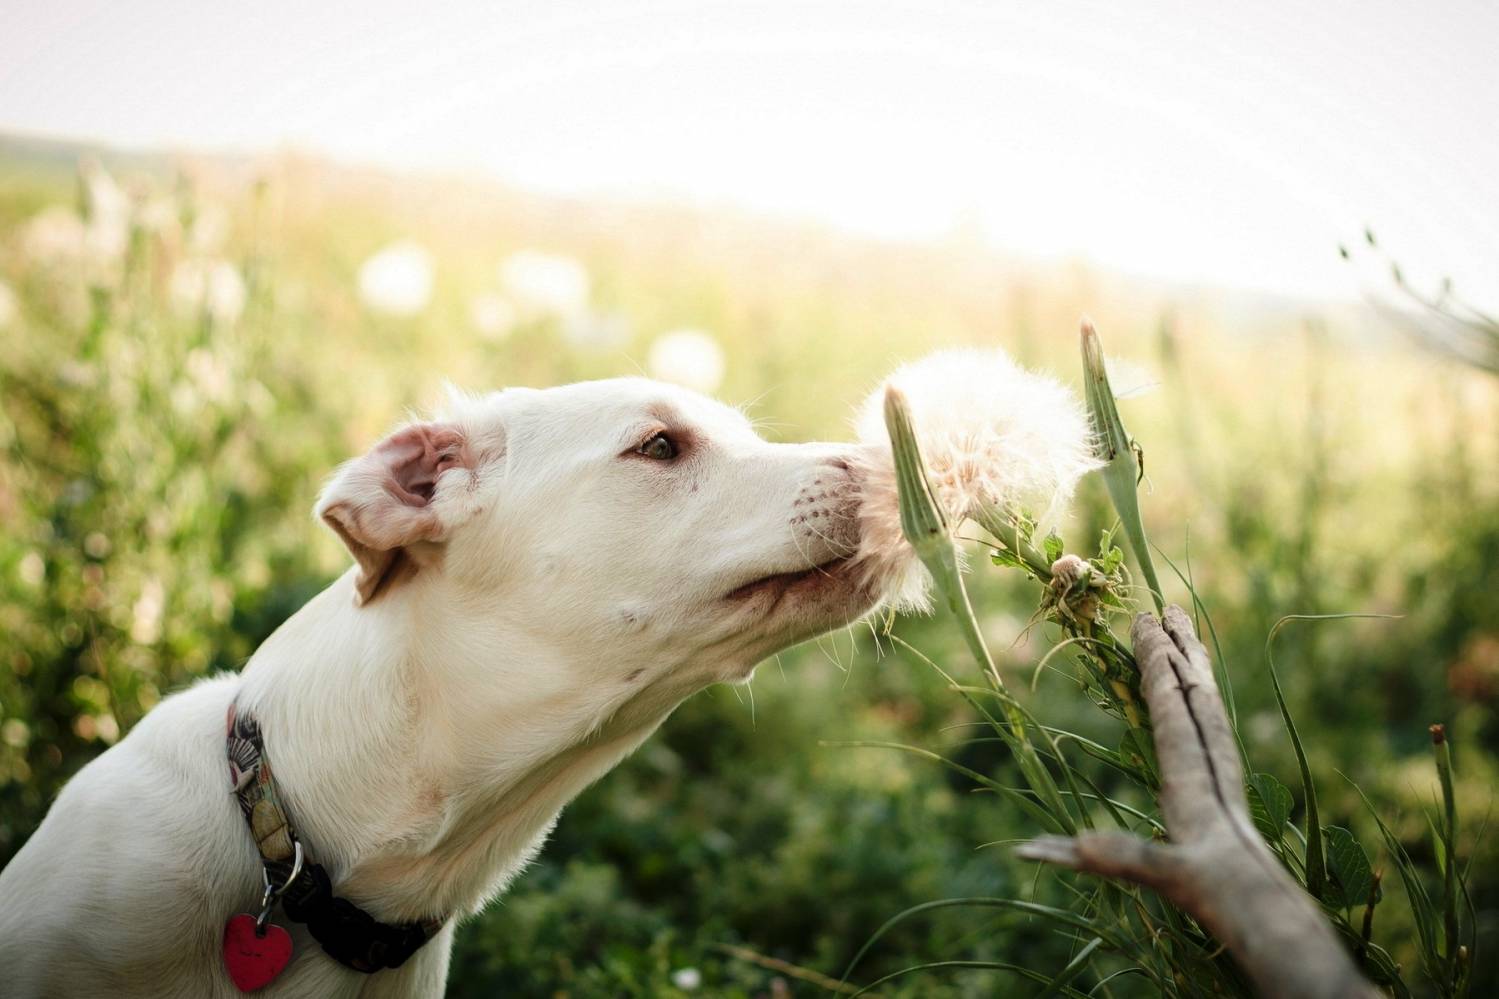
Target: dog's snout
{"points": [[824, 511]]}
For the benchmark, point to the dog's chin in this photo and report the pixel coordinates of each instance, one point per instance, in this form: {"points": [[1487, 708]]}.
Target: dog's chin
{"points": [[789, 607]]}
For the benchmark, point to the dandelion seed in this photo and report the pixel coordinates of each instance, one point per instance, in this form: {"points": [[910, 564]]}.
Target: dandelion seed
{"points": [[1130, 379], [210, 287], [687, 979], [687, 357], [992, 434], [492, 315], [397, 281], [545, 285]]}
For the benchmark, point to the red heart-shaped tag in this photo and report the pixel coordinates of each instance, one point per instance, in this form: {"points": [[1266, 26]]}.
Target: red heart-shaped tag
{"points": [[254, 961]]}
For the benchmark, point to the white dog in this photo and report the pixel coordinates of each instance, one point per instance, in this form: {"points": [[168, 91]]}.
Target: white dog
{"points": [[541, 577]]}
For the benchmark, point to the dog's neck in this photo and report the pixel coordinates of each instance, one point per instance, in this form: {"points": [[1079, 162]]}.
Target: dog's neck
{"points": [[424, 795]]}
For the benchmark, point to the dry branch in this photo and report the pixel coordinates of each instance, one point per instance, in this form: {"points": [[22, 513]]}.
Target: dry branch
{"points": [[1216, 867]]}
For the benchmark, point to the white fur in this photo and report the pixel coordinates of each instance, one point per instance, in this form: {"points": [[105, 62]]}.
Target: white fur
{"points": [[562, 595]]}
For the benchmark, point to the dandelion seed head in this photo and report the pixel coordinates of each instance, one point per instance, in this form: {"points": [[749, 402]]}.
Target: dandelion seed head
{"points": [[687, 357], [397, 281], [492, 315], [991, 434]]}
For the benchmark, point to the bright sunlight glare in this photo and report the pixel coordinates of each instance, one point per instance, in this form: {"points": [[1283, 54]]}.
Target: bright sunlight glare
{"points": [[1228, 145]]}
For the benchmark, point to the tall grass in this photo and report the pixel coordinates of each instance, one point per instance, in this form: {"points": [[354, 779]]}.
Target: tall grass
{"points": [[1119, 930]]}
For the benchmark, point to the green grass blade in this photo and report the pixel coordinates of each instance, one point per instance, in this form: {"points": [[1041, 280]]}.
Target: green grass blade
{"points": [[1316, 861], [1060, 984], [985, 965], [1060, 916]]}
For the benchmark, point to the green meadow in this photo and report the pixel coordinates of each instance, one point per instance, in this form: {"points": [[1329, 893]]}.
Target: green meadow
{"points": [[190, 346]]}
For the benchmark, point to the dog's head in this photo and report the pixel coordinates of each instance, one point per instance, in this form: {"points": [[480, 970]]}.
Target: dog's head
{"points": [[624, 521]]}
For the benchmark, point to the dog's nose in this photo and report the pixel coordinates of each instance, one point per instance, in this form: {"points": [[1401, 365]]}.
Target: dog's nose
{"points": [[824, 510]]}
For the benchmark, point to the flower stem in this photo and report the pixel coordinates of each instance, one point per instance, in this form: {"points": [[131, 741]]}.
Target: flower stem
{"points": [[926, 527], [1443, 751], [1115, 449]]}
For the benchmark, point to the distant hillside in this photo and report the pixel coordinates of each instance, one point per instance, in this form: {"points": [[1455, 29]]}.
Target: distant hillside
{"points": [[648, 227]]}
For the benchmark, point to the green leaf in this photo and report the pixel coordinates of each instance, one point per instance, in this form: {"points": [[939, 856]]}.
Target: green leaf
{"points": [[1052, 546], [1110, 560], [1008, 559], [1349, 876], [1270, 803]]}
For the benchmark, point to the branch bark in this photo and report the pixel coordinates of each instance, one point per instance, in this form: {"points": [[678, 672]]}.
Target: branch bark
{"points": [[1216, 867]]}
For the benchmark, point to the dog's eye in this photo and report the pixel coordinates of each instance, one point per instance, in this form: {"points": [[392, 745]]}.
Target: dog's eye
{"points": [[659, 448]]}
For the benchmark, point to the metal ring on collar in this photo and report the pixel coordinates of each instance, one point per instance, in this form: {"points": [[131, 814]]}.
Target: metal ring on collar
{"points": [[272, 892]]}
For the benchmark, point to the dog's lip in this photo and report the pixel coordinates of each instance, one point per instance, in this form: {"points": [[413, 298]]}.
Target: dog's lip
{"points": [[781, 581]]}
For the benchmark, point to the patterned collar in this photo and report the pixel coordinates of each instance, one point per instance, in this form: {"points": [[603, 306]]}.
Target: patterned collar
{"points": [[346, 932]]}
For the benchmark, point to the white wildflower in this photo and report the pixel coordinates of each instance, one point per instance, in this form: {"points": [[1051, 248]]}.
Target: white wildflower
{"points": [[108, 212], [991, 434], [211, 287], [687, 357], [397, 281], [492, 315], [687, 979], [545, 285]]}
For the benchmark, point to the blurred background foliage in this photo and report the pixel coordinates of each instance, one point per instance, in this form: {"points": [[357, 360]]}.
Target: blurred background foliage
{"points": [[191, 346]]}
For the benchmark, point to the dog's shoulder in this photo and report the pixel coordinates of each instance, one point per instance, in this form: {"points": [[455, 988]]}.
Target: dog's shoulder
{"points": [[145, 839]]}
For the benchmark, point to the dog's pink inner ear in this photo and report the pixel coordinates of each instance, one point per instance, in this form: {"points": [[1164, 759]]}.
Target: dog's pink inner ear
{"points": [[383, 503]]}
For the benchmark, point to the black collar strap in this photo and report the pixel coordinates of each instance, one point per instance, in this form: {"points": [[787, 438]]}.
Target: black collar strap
{"points": [[346, 932]]}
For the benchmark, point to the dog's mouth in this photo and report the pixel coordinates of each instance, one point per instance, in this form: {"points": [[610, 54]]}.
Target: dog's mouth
{"points": [[781, 583]]}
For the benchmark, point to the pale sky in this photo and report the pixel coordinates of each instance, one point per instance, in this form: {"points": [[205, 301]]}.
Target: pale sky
{"points": [[1232, 144]]}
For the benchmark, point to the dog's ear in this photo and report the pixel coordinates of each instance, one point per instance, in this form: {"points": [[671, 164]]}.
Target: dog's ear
{"points": [[395, 498]]}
